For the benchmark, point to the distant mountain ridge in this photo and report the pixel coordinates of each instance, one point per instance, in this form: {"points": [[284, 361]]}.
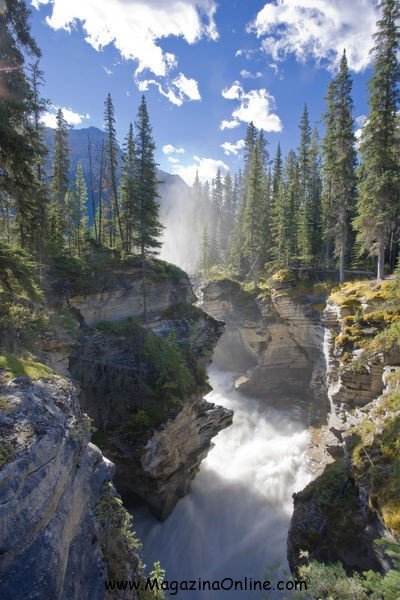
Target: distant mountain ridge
{"points": [[78, 142]]}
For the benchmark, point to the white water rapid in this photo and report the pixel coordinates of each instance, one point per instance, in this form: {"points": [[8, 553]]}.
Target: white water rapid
{"points": [[234, 521]]}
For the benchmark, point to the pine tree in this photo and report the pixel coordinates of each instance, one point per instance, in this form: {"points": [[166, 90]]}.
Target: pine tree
{"points": [[76, 214], [329, 163], [20, 147], [38, 232], [111, 157], [254, 215], [379, 171], [147, 229], [340, 163], [205, 254], [315, 217], [60, 180], [278, 208], [128, 190], [216, 225], [305, 216]]}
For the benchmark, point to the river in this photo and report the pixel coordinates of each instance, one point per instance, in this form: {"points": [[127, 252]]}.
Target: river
{"points": [[235, 519]]}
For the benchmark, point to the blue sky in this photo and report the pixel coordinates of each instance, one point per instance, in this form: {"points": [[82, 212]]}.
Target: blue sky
{"points": [[206, 67]]}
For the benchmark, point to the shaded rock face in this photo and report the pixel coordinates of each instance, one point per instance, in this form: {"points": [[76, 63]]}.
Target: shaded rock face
{"points": [[278, 342], [334, 518], [125, 299], [333, 525], [162, 471], [49, 485], [155, 462]]}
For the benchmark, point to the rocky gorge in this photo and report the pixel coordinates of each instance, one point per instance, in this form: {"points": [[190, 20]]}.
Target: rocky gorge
{"points": [[299, 339], [142, 384], [295, 345]]}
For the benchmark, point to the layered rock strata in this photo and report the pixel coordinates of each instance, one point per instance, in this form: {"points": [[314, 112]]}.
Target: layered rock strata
{"points": [[51, 481]]}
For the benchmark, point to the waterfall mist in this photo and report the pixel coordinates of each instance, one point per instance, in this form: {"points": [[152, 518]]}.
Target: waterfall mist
{"points": [[181, 236], [235, 519]]}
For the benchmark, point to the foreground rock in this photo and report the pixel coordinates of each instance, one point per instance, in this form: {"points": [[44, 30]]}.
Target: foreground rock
{"points": [[51, 481]]}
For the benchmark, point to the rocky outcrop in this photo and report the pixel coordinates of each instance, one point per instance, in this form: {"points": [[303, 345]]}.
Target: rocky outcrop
{"points": [[278, 339], [340, 514], [143, 387], [125, 298], [50, 482], [161, 472]]}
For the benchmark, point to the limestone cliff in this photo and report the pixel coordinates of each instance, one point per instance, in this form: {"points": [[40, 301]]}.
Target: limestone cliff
{"points": [[144, 392], [277, 337], [355, 500], [51, 483]]}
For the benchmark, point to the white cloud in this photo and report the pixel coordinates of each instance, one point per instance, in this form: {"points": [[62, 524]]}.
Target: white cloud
{"points": [[135, 26], [248, 75], [233, 148], [173, 160], [170, 149], [229, 125], [107, 71], [319, 30], [206, 167], [234, 92], [255, 106], [361, 121], [177, 91], [73, 118]]}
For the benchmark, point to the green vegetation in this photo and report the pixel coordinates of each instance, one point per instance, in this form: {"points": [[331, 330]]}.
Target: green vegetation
{"points": [[6, 453], [330, 581], [16, 367], [120, 546]]}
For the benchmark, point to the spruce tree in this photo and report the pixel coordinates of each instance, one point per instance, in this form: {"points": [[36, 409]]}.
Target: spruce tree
{"points": [[254, 213], [111, 157], [76, 214], [379, 149], [342, 169], [329, 171], [148, 228], [59, 179], [305, 217], [128, 191], [20, 146]]}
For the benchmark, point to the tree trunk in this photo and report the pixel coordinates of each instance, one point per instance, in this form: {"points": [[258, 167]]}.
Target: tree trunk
{"points": [[342, 262], [381, 261]]}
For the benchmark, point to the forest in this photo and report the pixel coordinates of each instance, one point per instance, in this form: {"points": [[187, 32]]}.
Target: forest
{"points": [[331, 204]]}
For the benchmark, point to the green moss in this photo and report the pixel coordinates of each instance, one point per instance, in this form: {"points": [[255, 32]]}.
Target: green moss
{"points": [[376, 458], [6, 453], [16, 367], [283, 276], [183, 311]]}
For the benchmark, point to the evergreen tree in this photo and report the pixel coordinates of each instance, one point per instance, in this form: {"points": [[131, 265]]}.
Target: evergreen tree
{"points": [[216, 225], [315, 217], [76, 214], [329, 164], [148, 228], [60, 180], [254, 214], [379, 171], [227, 220], [341, 166], [205, 254], [305, 216], [111, 157], [20, 146], [128, 190]]}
